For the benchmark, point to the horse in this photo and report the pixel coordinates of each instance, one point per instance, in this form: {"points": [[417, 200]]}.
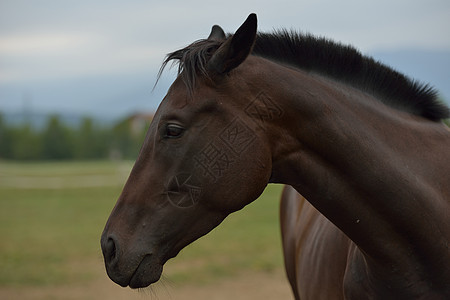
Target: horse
{"points": [[360, 147]]}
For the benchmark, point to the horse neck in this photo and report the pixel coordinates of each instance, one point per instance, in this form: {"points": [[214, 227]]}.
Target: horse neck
{"points": [[365, 166]]}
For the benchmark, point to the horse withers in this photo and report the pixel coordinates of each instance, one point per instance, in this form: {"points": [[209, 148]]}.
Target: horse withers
{"points": [[361, 142]]}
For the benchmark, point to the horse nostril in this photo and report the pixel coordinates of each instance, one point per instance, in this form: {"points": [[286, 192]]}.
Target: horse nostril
{"points": [[110, 250]]}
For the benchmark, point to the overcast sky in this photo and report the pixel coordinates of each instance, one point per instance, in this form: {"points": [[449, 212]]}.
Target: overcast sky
{"points": [[86, 56]]}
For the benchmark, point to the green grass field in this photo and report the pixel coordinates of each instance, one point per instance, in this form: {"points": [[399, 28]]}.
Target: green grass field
{"points": [[52, 216]]}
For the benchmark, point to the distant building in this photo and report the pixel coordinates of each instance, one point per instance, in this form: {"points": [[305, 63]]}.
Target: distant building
{"points": [[139, 122]]}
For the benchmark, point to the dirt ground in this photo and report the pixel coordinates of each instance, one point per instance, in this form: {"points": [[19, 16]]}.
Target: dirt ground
{"points": [[245, 287]]}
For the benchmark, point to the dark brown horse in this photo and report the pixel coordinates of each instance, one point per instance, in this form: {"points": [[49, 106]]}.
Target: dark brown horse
{"points": [[363, 143]]}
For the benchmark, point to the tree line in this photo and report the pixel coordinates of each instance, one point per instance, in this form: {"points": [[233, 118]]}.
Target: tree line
{"points": [[58, 141]]}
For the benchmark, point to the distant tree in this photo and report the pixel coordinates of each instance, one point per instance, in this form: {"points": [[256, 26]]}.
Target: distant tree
{"points": [[125, 141], [91, 141], [5, 140], [121, 142], [85, 140], [25, 143], [57, 142]]}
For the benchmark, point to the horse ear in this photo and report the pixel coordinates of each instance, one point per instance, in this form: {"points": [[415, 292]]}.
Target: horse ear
{"points": [[217, 33], [236, 49]]}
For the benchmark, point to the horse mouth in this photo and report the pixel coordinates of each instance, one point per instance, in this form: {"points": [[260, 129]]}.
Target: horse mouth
{"points": [[146, 273]]}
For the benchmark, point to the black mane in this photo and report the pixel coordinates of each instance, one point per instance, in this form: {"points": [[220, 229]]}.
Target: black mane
{"points": [[327, 58]]}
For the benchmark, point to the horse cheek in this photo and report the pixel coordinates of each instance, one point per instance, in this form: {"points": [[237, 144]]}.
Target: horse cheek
{"points": [[248, 179]]}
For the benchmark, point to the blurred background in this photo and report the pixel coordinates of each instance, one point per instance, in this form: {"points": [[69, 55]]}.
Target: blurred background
{"points": [[76, 97]]}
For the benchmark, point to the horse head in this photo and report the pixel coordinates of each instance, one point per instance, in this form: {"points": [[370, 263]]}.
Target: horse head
{"points": [[202, 159]]}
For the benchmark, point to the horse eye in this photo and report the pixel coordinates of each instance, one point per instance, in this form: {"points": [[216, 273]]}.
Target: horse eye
{"points": [[173, 131]]}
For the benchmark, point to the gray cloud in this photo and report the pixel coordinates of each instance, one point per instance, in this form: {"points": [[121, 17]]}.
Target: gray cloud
{"points": [[46, 44]]}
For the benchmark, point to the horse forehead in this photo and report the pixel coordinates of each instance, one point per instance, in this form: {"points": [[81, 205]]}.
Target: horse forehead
{"points": [[179, 97], [176, 96]]}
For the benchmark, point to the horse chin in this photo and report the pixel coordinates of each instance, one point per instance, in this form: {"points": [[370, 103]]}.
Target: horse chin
{"points": [[147, 272]]}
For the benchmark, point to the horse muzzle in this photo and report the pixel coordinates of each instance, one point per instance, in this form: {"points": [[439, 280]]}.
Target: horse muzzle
{"points": [[137, 270]]}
